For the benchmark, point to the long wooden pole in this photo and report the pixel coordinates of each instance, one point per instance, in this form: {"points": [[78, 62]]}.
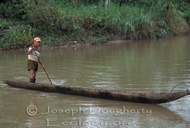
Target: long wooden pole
{"points": [[46, 74], [43, 68]]}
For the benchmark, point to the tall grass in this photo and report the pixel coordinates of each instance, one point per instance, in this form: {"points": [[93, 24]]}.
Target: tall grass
{"points": [[160, 19], [18, 37], [138, 24]]}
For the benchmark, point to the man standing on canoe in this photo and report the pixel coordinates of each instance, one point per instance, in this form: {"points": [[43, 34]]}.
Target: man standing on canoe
{"points": [[34, 59]]}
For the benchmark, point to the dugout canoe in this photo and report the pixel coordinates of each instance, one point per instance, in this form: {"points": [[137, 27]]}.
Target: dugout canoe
{"points": [[138, 97]]}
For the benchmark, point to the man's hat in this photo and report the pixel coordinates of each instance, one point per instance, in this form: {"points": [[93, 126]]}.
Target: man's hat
{"points": [[37, 39]]}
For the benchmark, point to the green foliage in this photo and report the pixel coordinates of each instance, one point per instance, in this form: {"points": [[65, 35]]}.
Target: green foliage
{"points": [[174, 18], [16, 9], [139, 24], [47, 19], [184, 8], [43, 16], [62, 21], [98, 19], [96, 40], [4, 23], [160, 19], [17, 37]]}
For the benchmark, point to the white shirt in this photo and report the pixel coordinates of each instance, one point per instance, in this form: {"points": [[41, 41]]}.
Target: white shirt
{"points": [[34, 55]]}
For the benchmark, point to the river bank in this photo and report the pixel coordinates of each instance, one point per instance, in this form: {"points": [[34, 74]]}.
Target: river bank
{"points": [[75, 45]]}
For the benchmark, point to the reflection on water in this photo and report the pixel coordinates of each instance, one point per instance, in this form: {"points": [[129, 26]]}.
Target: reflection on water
{"points": [[155, 65]]}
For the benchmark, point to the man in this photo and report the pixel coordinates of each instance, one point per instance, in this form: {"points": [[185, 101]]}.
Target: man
{"points": [[34, 59]]}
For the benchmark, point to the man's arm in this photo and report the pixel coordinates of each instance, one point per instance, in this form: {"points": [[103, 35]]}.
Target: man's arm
{"points": [[30, 50]]}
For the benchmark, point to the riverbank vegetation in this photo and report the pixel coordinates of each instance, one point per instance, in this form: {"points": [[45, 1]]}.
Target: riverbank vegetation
{"points": [[62, 22]]}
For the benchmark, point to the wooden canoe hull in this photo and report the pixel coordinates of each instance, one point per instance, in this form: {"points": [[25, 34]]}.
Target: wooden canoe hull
{"points": [[150, 98]]}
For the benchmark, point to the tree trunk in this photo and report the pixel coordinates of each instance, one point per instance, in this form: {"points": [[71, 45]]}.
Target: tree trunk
{"points": [[107, 3], [75, 3]]}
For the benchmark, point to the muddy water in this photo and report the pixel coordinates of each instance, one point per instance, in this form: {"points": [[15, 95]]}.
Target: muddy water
{"points": [[146, 66]]}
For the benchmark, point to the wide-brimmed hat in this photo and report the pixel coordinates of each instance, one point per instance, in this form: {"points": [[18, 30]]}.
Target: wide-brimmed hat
{"points": [[37, 39]]}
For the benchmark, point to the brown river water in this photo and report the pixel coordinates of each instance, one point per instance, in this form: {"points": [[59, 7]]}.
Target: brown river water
{"points": [[145, 66]]}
